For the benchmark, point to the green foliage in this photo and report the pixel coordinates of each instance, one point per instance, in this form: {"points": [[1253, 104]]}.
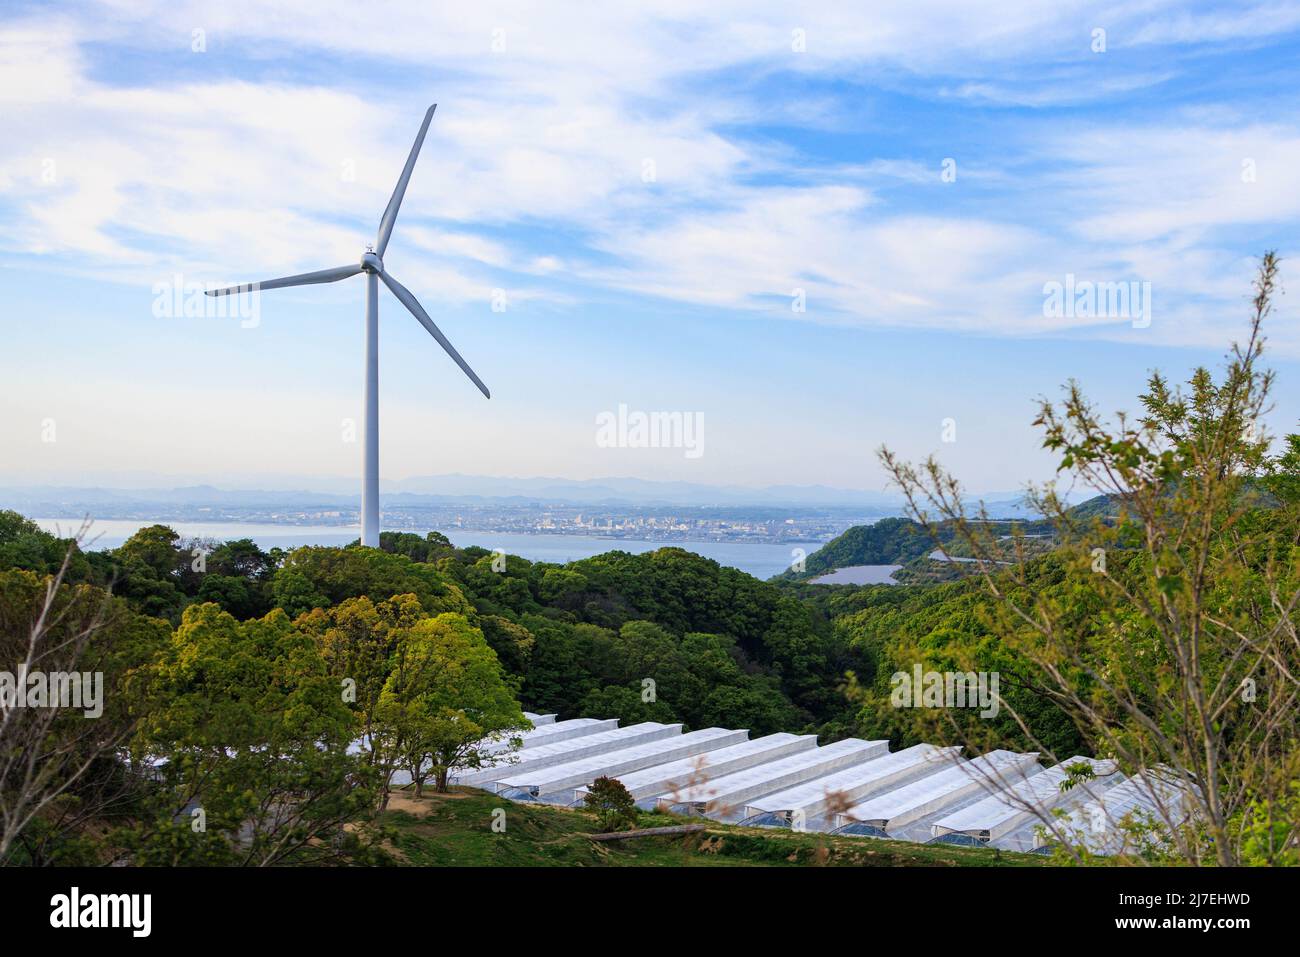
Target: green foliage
{"points": [[154, 547], [1166, 633], [560, 587], [24, 545], [890, 541], [445, 700], [944, 628], [59, 767], [357, 639], [321, 576], [612, 804], [432, 546], [255, 735]]}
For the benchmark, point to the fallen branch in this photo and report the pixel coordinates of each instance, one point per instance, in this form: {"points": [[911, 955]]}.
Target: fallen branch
{"points": [[649, 832]]}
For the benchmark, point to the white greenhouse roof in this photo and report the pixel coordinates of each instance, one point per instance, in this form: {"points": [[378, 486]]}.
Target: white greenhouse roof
{"points": [[681, 774], [724, 795], [551, 733], [564, 778], [1001, 813], [934, 792], [549, 755], [920, 793], [812, 798], [1139, 798], [566, 730]]}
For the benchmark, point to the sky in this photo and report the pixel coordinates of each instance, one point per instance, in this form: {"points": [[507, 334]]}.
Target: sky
{"points": [[809, 229]]}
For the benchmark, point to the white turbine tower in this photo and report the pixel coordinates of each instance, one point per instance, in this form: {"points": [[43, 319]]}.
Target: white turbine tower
{"points": [[372, 264]]}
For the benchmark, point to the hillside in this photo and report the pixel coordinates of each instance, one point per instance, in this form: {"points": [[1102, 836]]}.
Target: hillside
{"points": [[901, 541], [455, 830]]}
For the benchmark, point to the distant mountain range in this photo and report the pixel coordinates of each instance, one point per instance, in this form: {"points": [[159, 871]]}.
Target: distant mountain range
{"points": [[482, 490]]}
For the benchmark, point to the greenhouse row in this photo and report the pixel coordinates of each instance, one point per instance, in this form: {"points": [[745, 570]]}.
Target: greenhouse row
{"points": [[851, 787]]}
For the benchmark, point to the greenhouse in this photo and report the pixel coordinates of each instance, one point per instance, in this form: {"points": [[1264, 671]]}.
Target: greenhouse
{"points": [[1148, 798], [675, 776], [557, 784], [935, 792], [565, 730], [810, 802], [561, 752], [550, 734], [1025, 800], [852, 787], [722, 798]]}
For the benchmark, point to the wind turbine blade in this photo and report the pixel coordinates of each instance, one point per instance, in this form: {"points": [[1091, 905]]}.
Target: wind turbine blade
{"points": [[303, 279], [390, 214], [409, 301]]}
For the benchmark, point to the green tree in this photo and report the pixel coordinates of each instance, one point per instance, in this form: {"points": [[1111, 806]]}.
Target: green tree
{"points": [[445, 701], [1169, 635], [24, 545], [60, 767], [612, 804], [249, 736], [357, 639], [431, 546], [154, 546], [333, 575]]}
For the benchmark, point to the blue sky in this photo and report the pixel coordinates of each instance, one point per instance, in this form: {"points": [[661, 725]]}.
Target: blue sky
{"points": [[648, 186]]}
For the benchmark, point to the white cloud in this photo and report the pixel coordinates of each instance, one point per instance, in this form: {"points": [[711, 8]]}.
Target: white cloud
{"points": [[596, 123]]}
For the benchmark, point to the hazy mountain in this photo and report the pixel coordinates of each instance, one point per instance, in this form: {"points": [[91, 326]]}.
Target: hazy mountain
{"points": [[634, 491], [480, 490]]}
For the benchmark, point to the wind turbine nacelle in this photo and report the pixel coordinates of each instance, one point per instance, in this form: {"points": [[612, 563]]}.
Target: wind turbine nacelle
{"points": [[372, 263]]}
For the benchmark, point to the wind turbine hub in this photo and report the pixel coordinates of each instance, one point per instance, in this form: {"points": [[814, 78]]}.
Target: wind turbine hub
{"points": [[372, 263]]}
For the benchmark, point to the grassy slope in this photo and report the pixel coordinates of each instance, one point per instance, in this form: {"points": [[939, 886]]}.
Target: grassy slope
{"points": [[455, 830]]}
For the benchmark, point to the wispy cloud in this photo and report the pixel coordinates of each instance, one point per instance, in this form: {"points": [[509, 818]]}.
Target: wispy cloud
{"points": [[906, 168], [626, 133]]}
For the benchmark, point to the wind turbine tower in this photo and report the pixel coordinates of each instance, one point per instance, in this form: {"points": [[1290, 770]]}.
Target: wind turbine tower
{"points": [[372, 264]]}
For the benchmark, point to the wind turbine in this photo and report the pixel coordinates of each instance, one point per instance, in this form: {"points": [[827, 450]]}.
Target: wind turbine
{"points": [[372, 264]]}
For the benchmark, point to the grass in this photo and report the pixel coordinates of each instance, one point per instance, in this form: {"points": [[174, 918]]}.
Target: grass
{"points": [[456, 830]]}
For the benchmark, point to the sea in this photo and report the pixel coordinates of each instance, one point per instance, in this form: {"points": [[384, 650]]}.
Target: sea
{"points": [[762, 560], [860, 575]]}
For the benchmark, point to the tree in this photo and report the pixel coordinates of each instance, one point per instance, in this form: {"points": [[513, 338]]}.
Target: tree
{"points": [[296, 593], [561, 587], [249, 737], [155, 547], [24, 545], [445, 701], [512, 642], [433, 545], [612, 804], [1170, 636], [59, 765], [333, 575], [357, 640]]}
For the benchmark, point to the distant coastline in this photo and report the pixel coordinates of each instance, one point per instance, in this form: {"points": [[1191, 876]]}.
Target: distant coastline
{"points": [[760, 559]]}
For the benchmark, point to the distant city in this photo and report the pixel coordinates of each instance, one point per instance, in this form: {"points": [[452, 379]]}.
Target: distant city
{"points": [[701, 524], [611, 508], [760, 524]]}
